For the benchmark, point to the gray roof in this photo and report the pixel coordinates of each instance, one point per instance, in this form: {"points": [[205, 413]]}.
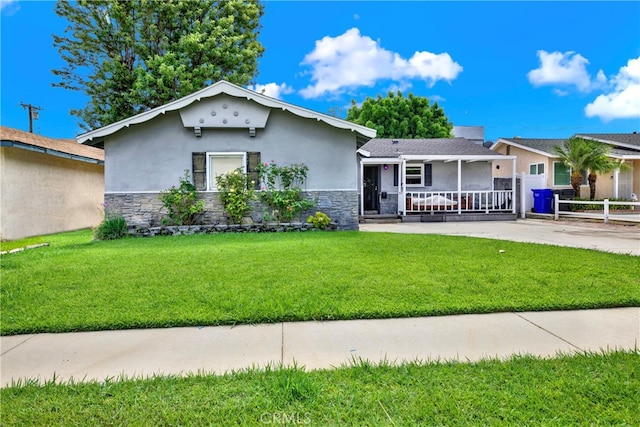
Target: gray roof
{"points": [[546, 145], [539, 144], [379, 147], [625, 139]]}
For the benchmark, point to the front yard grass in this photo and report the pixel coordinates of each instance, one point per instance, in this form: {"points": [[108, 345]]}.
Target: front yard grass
{"points": [[585, 389], [78, 284]]}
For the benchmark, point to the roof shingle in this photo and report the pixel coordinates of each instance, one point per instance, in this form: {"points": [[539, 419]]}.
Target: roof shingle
{"points": [[381, 147], [68, 146]]}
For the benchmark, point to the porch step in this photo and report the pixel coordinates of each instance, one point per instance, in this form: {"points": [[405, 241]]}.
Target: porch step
{"points": [[380, 219]]}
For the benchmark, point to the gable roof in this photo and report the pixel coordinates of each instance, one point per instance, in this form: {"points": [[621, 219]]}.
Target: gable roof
{"points": [[542, 146], [436, 148], [224, 87], [68, 148], [545, 146], [625, 140]]}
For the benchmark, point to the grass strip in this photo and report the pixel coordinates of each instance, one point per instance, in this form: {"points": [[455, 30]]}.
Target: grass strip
{"points": [[583, 389], [77, 284]]}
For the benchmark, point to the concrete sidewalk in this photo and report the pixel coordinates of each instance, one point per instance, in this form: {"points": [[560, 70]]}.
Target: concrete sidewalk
{"points": [[622, 239], [315, 345]]}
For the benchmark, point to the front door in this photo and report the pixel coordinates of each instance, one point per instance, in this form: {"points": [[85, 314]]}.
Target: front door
{"points": [[371, 184]]}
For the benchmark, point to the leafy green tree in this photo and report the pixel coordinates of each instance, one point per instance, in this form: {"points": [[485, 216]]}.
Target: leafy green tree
{"points": [[398, 117], [129, 56]]}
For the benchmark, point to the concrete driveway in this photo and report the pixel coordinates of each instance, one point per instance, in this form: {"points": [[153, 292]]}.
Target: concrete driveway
{"points": [[622, 239]]}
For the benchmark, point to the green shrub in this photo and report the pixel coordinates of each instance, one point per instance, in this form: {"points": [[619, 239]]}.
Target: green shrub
{"points": [[599, 207], [112, 227], [282, 190], [320, 220], [236, 194], [182, 204]]}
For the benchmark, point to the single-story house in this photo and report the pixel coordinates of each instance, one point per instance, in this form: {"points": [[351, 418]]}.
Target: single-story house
{"points": [[444, 177], [47, 185], [538, 157], [216, 130]]}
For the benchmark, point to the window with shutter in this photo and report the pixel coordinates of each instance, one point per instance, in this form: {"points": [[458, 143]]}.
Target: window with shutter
{"points": [[414, 175], [427, 175], [206, 166], [253, 160], [199, 161]]}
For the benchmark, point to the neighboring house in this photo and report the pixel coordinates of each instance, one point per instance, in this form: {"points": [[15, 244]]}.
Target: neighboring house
{"points": [[472, 133], [451, 176], [216, 130], [47, 185], [538, 157]]}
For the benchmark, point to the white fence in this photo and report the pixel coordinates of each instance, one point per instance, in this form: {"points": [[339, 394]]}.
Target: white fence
{"points": [[606, 214], [460, 202]]}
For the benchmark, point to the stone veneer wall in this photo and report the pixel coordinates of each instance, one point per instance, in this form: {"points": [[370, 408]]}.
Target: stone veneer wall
{"points": [[146, 210]]}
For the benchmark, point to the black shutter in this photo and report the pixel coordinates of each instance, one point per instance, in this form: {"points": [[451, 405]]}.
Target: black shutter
{"points": [[253, 160], [199, 161], [427, 175], [395, 175]]}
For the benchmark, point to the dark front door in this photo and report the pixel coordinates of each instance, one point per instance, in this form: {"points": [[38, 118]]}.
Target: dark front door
{"points": [[371, 184]]}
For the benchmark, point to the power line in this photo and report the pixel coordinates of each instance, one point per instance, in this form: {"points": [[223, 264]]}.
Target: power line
{"points": [[33, 114]]}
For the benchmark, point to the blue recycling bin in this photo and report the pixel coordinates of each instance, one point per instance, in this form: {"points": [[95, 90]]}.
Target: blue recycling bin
{"points": [[542, 200]]}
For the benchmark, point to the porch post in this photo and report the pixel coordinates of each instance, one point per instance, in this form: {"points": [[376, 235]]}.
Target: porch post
{"points": [[459, 186], [401, 195], [403, 183], [616, 177], [513, 187]]}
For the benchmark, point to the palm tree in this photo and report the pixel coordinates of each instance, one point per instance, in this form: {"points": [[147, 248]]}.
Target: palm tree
{"points": [[600, 163], [576, 155]]}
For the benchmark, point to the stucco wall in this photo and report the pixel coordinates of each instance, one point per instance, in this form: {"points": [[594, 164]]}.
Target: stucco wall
{"points": [[604, 182], [152, 156], [43, 194]]}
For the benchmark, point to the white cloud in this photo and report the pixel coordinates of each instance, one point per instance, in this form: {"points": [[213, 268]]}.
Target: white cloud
{"points": [[273, 90], [567, 68], [352, 60], [9, 7], [624, 100]]}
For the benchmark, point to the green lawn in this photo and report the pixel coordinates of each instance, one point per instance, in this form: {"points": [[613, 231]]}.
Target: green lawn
{"points": [[79, 284], [587, 389]]}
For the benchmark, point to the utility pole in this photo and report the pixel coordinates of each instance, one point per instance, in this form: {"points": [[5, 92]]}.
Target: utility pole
{"points": [[33, 114]]}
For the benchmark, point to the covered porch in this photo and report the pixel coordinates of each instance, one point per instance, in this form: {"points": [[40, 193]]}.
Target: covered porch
{"points": [[434, 187]]}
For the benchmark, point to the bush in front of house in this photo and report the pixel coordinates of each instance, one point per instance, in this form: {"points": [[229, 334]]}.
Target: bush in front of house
{"points": [[236, 194], [112, 227], [282, 190], [320, 220], [181, 203]]}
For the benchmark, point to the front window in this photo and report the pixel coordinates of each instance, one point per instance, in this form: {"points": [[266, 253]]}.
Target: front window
{"points": [[221, 163], [414, 174], [536, 168], [562, 175]]}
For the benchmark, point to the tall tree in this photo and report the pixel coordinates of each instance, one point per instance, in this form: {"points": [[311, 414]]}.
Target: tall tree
{"points": [[395, 116], [129, 56], [576, 154]]}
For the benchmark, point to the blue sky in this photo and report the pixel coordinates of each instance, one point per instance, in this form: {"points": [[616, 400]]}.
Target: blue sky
{"points": [[531, 69]]}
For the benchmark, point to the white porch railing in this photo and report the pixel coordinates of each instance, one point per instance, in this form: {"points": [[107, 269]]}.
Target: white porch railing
{"points": [[460, 202], [606, 214]]}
